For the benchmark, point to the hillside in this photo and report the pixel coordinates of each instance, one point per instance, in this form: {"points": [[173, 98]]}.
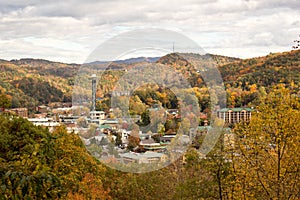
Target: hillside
{"points": [[264, 71], [183, 63], [32, 82]]}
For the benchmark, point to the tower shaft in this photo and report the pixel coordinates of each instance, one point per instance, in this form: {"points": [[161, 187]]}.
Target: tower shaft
{"points": [[93, 92]]}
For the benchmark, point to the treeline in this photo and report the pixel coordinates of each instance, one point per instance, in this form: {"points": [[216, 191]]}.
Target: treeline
{"points": [[32, 82]]}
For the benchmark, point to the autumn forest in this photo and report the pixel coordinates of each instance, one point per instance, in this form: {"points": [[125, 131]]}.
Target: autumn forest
{"points": [[263, 162]]}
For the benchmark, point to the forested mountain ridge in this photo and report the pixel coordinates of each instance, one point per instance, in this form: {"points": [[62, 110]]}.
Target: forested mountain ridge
{"points": [[264, 71], [32, 82]]}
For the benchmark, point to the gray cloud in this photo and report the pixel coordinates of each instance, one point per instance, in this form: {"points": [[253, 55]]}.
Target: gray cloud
{"points": [[227, 27]]}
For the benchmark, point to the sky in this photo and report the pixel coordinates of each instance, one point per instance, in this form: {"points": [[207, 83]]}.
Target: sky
{"points": [[69, 31]]}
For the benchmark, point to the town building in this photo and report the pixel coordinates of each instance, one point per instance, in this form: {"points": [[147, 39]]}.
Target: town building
{"points": [[234, 115], [113, 123], [147, 157], [42, 109], [46, 122], [97, 117], [22, 112], [149, 144]]}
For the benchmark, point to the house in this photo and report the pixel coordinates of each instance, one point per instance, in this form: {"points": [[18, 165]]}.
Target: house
{"points": [[234, 115], [68, 119], [166, 139], [22, 112], [42, 109], [173, 112], [113, 123]]}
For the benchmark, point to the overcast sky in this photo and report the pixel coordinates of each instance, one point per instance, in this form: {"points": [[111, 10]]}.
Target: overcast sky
{"points": [[68, 31]]}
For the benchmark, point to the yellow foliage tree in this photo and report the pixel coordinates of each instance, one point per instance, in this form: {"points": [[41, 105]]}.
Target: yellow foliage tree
{"points": [[267, 165]]}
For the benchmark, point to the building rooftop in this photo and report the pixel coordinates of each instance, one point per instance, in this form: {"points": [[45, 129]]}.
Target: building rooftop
{"points": [[111, 121], [235, 109], [95, 111], [136, 156], [104, 126]]}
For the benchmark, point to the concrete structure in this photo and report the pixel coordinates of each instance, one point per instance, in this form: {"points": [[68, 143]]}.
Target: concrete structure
{"points": [[94, 80], [234, 115], [147, 157]]}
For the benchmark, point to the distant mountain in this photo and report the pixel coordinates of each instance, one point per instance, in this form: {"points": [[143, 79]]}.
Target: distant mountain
{"points": [[183, 63], [174, 58], [130, 60]]}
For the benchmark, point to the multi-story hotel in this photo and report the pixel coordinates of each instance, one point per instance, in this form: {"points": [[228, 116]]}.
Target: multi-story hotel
{"points": [[234, 115]]}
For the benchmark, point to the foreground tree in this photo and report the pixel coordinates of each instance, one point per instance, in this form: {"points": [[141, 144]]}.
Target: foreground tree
{"points": [[5, 102], [267, 165], [35, 164]]}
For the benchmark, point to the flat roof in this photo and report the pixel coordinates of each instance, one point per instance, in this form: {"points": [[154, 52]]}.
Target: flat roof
{"points": [[147, 154], [235, 109]]}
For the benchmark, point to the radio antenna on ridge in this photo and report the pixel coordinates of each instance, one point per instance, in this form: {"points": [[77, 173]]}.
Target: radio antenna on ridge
{"points": [[173, 47]]}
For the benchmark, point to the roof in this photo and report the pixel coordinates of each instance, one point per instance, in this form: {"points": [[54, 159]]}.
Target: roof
{"points": [[19, 109], [104, 126], [111, 121], [154, 148], [147, 141], [207, 128], [100, 112], [204, 128], [235, 109], [137, 156]]}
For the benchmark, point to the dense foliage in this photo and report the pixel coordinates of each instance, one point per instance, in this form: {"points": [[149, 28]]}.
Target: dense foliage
{"points": [[35, 164], [260, 162]]}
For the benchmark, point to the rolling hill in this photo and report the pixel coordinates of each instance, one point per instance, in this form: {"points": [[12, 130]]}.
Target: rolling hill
{"points": [[32, 82]]}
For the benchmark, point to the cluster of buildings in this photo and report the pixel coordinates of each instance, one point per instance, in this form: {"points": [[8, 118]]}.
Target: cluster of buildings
{"points": [[148, 149], [98, 131]]}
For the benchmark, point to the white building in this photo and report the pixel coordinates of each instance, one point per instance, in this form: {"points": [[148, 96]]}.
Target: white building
{"points": [[97, 117], [46, 122]]}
